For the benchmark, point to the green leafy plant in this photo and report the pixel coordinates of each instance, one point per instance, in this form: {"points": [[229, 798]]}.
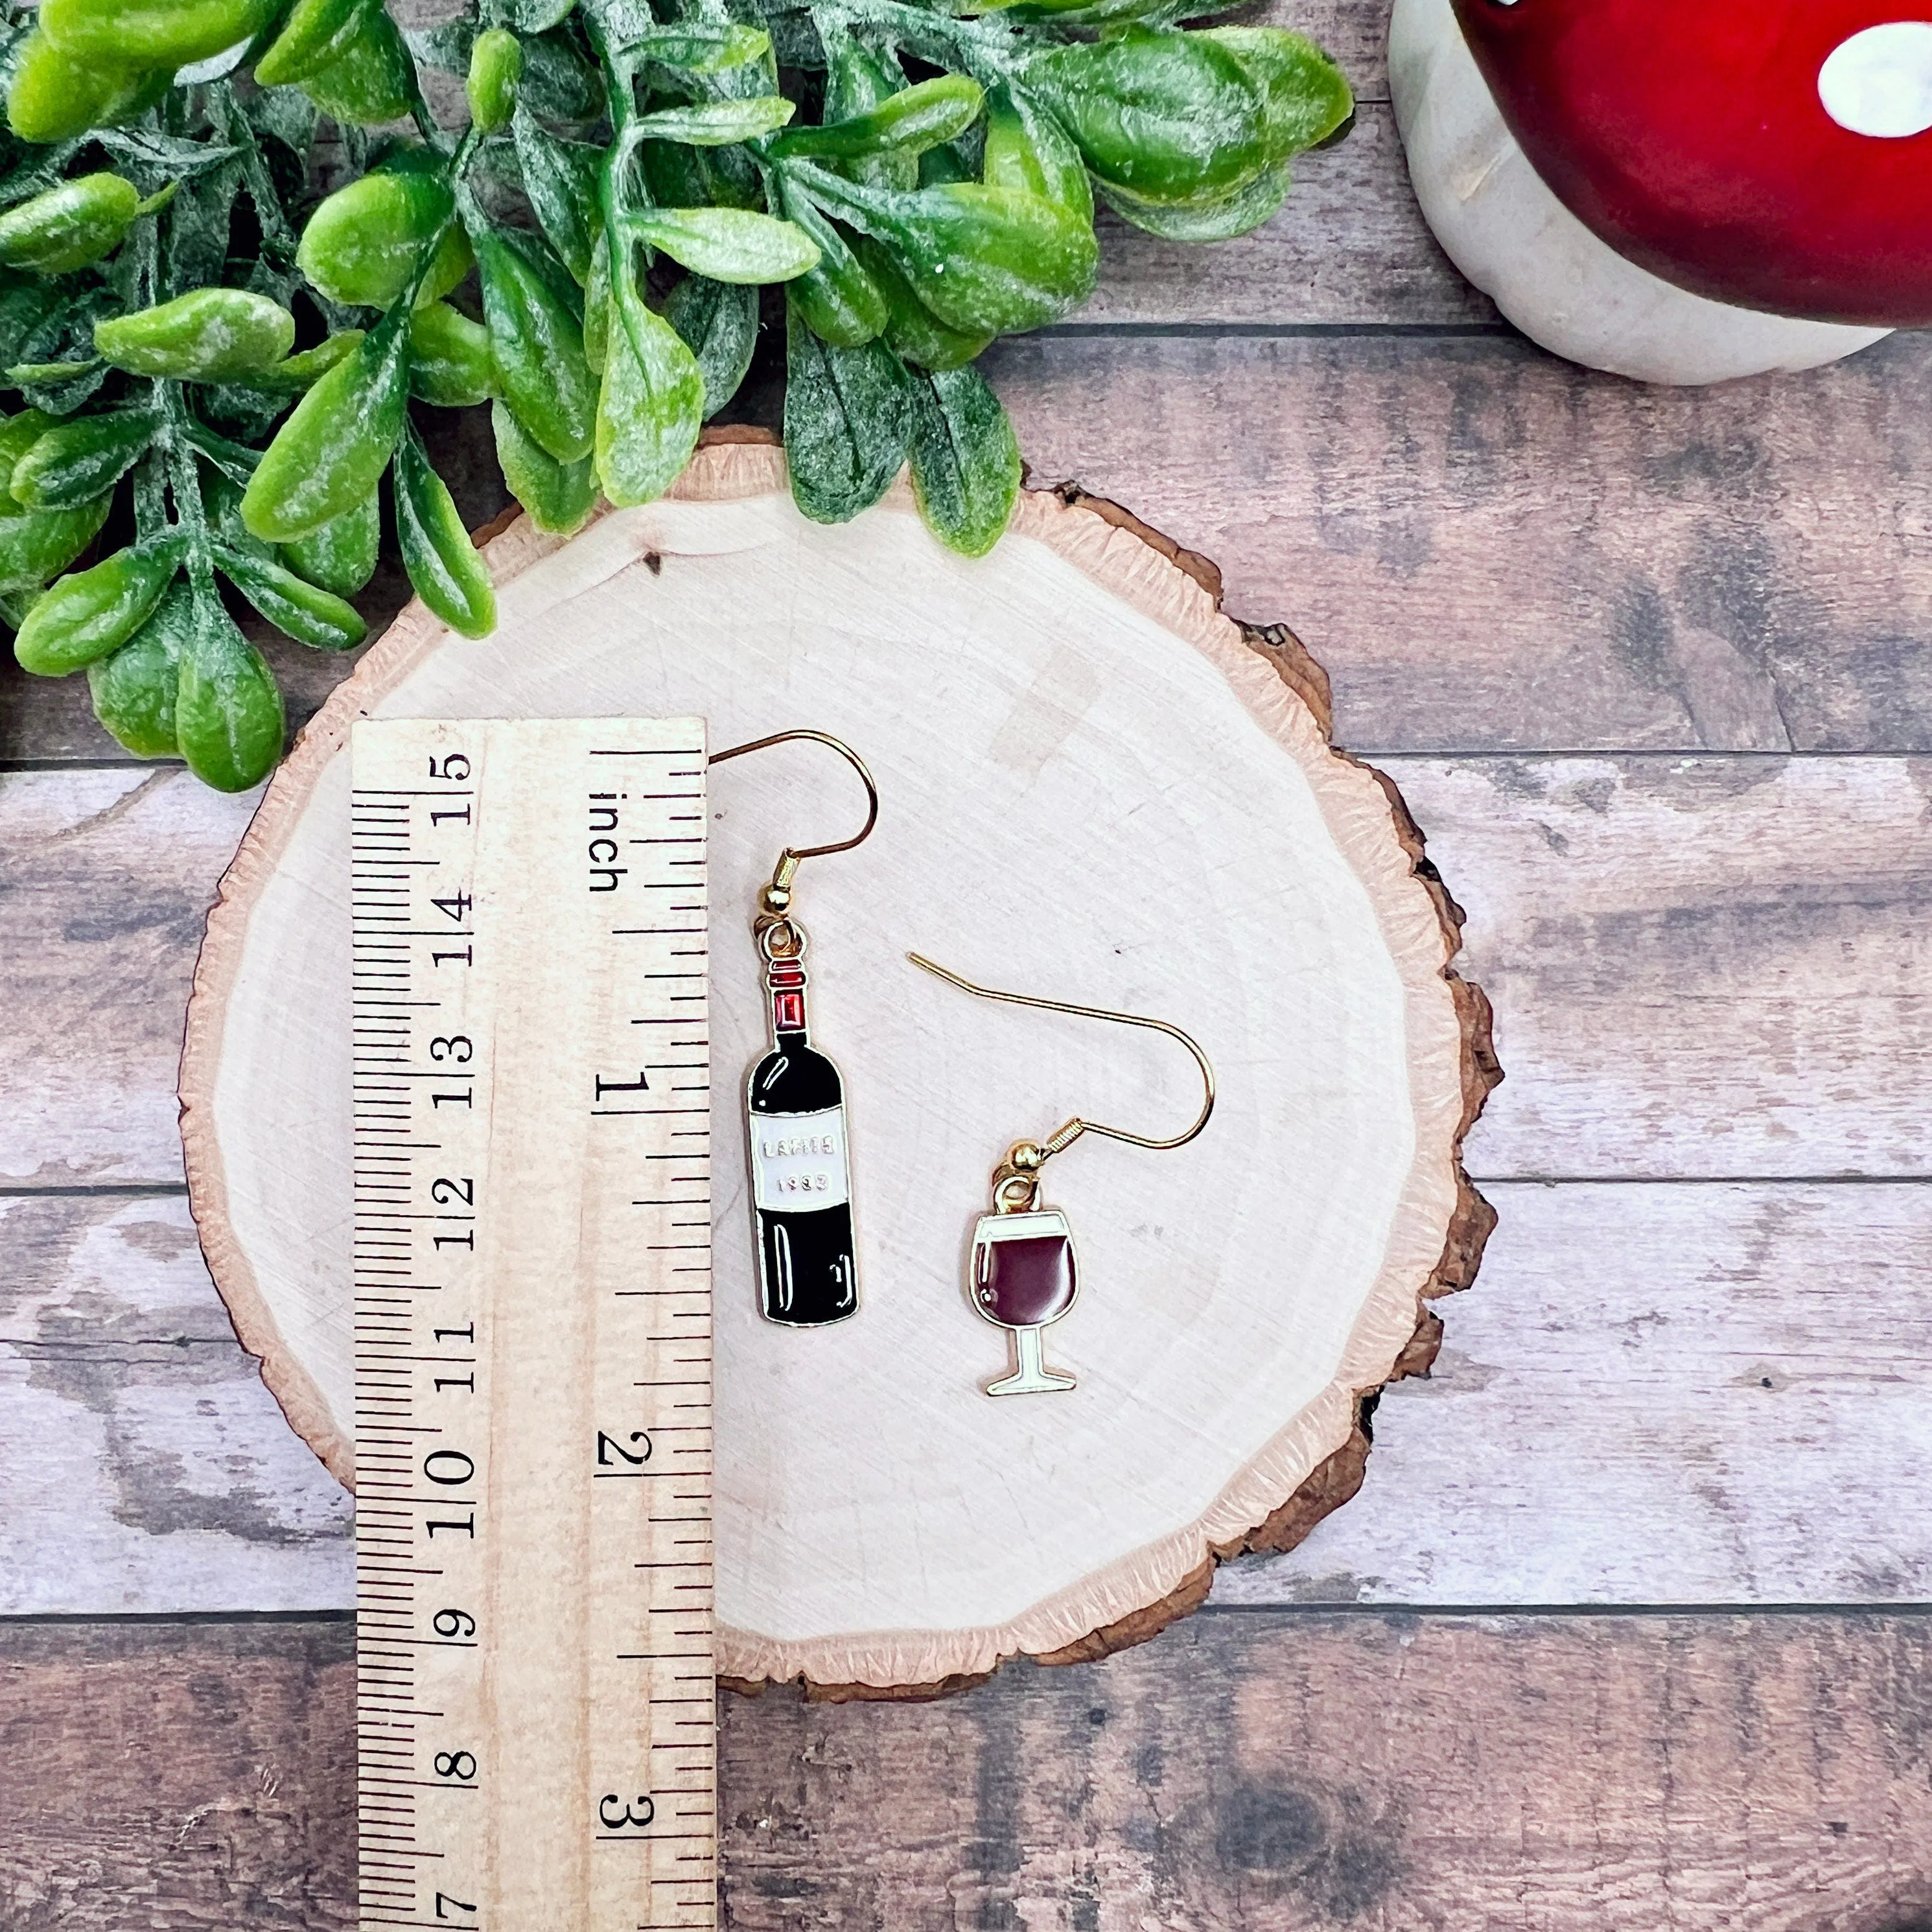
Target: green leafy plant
{"points": [[585, 256]]}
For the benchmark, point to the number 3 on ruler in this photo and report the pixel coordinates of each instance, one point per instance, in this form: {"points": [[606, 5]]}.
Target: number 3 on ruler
{"points": [[627, 1817]]}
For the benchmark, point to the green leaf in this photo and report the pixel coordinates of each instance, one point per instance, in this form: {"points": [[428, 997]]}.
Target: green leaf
{"points": [[207, 335], [559, 83], [364, 243], [450, 363], [556, 497], [53, 94], [25, 375], [495, 66], [1168, 116], [331, 453], [150, 33], [698, 46], [285, 113], [719, 322], [133, 688], [537, 16], [341, 555], [445, 47], [65, 334], [908, 122], [650, 408], [1220, 220], [156, 162], [912, 330], [1098, 12], [373, 81], [716, 124], [993, 260], [69, 226], [36, 545], [18, 434], [560, 179], [299, 373], [74, 462], [24, 305], [316, 33], [965, 461], [228, 719], [304, 611], [729, 244], [840, 301], [91, 612], [1308, 96], [537, 345], [196, 245], [443, 563], [847, 421]]}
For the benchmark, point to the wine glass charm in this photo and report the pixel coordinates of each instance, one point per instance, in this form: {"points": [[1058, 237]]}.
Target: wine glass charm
{"points": [[801, 1168], [1023, 1273]]}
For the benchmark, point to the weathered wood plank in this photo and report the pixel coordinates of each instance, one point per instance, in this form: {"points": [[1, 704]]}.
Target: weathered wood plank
{"points": [[1274, 1770], [1654, 1393], [1657, 1393], [144, 1465], [1710, 967], [108, 877], [181, 1780], [1490, 549]]}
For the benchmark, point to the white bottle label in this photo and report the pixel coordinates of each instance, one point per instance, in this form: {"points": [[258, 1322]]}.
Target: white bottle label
{"points": [[798, 1162]]}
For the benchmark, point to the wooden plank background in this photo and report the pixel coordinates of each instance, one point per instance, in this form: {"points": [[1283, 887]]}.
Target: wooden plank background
{"points": [[1629, 1626], [1272, 1768]]}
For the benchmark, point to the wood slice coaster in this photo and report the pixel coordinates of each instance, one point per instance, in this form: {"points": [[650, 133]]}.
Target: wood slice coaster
{"points": [[1095, 787]]}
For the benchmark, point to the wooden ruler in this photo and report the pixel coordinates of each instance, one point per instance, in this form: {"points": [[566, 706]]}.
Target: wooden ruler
{"points": [[533, 1327]]}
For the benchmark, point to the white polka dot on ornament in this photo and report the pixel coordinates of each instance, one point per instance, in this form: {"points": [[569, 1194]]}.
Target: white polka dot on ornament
{"points": [[1879, 82]]}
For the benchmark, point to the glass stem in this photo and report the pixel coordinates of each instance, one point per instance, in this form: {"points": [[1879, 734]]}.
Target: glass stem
{"points": [[1032, 1356]]}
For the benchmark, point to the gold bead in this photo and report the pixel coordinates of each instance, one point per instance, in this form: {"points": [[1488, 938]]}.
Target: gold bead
{"points": [[1026, 1156]]}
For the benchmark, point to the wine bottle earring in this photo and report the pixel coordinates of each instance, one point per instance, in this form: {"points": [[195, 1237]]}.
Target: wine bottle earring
{"points": [[1023, 1273], [801, 1169]]}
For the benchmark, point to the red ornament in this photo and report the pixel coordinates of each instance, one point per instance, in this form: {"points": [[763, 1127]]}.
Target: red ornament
{"points": [[1774, 154]]}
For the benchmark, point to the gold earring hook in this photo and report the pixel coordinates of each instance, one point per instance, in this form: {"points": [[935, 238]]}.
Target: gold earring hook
{"points": [[1071, 1132], [778, 894]]}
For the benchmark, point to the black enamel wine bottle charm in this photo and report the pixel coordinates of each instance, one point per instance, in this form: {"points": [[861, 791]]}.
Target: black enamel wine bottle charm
{"points": [[1023, 1273], [801, 1165], [800, 1155]]}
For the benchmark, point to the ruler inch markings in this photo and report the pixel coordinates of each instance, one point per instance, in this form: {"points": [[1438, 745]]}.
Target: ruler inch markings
{"points": [[509, 1373]]}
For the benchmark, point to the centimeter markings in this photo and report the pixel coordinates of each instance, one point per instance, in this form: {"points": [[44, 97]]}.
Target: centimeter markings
{"points": [[536, 1709]]}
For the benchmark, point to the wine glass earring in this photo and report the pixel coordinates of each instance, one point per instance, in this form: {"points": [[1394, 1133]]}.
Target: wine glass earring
{"points": [[1023, 1273], [801, 1167]]}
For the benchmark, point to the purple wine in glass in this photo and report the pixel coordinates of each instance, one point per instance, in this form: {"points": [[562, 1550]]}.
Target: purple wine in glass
{"points": [[1023, 1276]]}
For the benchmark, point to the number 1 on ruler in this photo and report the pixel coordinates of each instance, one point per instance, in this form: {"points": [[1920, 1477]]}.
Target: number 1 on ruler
{"points": [[537, 1709]]}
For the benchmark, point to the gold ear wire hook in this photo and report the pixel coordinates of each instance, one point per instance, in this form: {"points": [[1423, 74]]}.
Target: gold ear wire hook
{"points": [[1067, 1135], [778, 894]]}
